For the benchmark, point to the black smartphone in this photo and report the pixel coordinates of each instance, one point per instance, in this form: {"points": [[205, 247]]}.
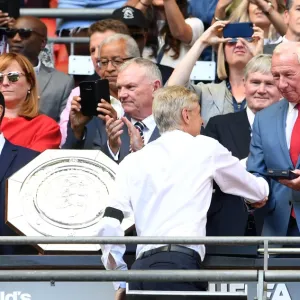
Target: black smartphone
{"points": [[91, 93], [12, 7], [236, 30], [282, 174]]}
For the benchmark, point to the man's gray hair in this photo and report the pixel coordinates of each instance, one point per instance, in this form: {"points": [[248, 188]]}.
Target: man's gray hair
{"points": [[132, 49], [288, 49], [261, 63], [168, 104], [151, 69]]}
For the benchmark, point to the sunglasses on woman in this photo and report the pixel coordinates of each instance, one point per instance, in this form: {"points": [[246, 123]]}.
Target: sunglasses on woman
{"points": [[24, 33], [11, 76]]}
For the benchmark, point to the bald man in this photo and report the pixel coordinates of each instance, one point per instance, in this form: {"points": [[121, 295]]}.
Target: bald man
{"points": [[275, 144], [28, 36]]}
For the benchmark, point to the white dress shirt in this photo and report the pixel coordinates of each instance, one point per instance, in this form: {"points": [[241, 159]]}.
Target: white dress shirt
{"points": [[168, 185], [290, 122], [37, 68], [251, 116], [148, 130], [2, 142]]}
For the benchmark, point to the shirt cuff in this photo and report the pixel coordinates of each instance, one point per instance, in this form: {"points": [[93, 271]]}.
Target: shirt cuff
{"points": [[114, 156]]}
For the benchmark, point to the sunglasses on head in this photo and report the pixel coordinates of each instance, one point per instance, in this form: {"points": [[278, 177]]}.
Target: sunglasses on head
{"points": [[24, 33], [11, 76]]}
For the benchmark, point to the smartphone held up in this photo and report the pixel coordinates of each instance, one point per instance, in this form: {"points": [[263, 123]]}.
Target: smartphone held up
{"points": [[238, 30], [91, 93]]}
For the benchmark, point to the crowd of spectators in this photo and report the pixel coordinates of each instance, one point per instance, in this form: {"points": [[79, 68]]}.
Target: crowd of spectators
{"points": [[143, 46]]}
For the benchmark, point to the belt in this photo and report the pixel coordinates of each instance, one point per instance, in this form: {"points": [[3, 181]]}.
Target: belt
{"points": [[171, 248]]}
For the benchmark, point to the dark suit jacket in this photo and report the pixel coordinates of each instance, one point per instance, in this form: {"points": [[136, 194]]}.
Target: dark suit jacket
{"points": [[228, 215], [96, 138], [12, 159], [54, 88]]}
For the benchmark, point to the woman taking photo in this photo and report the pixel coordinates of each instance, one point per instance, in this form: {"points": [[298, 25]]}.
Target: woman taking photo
{"points": [[23, 125], [233, 55]]}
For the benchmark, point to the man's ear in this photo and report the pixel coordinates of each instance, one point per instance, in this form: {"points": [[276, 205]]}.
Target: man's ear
{"points": [[156, 85], [44, 43], [185, 116], [286, 17]]}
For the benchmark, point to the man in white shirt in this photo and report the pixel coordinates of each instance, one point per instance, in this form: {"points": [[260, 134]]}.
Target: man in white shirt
{"points": [[227, 216], [275, 144], [167, 185]]}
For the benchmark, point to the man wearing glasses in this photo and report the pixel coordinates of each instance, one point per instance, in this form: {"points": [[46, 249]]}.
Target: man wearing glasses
{"points": [[89, 133], [28, 36]]}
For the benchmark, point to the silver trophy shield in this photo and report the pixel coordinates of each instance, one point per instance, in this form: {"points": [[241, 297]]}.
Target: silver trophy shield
{"points": [[62, 193]]}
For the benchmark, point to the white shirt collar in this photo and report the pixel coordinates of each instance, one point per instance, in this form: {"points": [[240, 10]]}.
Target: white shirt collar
{"points": [[37, 68], [250, 116], [2, 142], [291, 106], [149, 122]]}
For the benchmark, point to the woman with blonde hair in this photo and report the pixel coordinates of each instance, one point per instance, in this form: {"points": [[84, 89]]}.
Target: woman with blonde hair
{"points": [[228, 95], [265, 14], [22, 124]]}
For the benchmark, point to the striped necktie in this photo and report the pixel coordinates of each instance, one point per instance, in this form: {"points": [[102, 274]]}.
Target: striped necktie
{"points": [[140, 126]]}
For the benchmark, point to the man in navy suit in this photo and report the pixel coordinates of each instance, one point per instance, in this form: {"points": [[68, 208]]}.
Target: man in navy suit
{"points": [[227, 216], [137, 80], [12, 158], [275, 144]]}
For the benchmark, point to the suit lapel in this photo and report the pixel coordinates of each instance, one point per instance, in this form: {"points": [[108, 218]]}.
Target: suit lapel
{"points": [[126, 140], [7, 156], [240, 130], [43, 78], [124, 150], [155, 134], [218, 96], [281, 125]]}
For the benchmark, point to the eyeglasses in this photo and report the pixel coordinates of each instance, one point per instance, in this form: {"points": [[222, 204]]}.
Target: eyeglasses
{"points": [[116, 62], [11, 76], [24, 33]]}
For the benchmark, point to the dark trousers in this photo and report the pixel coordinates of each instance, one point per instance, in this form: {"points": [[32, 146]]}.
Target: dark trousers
{"points": [[168, 261]]}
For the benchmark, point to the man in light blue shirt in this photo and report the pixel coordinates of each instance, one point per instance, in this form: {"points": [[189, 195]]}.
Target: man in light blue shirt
{"points": [[85, 4]]}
